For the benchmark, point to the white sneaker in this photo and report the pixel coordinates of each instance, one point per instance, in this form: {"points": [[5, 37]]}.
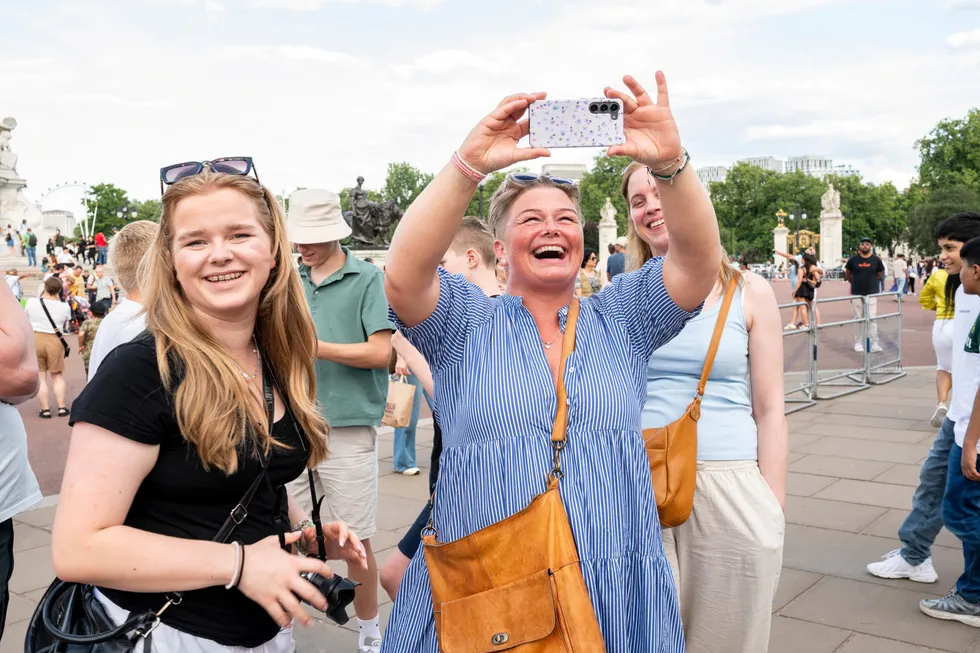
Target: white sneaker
{"points": [[858, 347], [789, 327], [876, 348], [893, 565], [411, 471], [939, 415], [370, 645]]}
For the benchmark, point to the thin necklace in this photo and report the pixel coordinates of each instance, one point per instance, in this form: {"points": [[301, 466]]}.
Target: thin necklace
{"points": [[255, 373], [547, 345]]}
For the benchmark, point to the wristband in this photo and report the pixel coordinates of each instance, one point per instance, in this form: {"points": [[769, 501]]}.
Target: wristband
{"points": [[239, 565], [466, 169]]}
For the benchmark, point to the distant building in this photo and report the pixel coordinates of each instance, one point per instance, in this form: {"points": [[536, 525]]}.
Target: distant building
{"points": [[709, 174], [765, 162], [815, 166], [63, 221], [573, 171], [844, 170]]}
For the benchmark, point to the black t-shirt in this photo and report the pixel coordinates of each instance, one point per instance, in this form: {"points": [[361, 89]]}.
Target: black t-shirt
{"points": [[179, 499], [864, 274]]}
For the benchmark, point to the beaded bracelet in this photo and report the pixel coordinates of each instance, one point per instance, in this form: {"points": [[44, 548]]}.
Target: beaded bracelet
{"points": [[685, 159], [466, 169]]}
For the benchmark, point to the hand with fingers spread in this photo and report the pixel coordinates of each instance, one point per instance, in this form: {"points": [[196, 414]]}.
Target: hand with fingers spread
{"points": [[651, 133], [271, 578], [340, 543], [492, 144]]}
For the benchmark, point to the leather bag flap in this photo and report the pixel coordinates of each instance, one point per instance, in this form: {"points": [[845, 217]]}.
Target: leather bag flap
{"points": [[500, 619]]}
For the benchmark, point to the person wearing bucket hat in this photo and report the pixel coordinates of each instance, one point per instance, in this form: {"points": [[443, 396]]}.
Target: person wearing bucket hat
{"points": [[350, 313]]}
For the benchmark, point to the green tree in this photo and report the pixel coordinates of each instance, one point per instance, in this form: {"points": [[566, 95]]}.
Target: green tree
{"points": [[950, 154], [487, 189], [403, 183], [110, 208], [149, 210], [873, 211], [602, 181], [938, 206]]}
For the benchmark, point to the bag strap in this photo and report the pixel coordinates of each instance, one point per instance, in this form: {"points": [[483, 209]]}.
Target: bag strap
{"points": [[54, 326], [716, 336], [560, 428]]}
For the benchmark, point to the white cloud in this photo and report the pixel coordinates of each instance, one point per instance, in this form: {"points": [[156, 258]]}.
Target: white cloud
{"points": [[287, 52], [314, 5], [954, 5], [964, 40]]}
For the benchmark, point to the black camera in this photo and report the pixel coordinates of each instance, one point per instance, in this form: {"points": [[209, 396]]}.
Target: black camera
{"points": [[338, 591]]}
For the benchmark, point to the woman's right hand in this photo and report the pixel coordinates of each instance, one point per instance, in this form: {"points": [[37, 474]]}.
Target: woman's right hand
{"points": [[492, 144], [271, 578]]}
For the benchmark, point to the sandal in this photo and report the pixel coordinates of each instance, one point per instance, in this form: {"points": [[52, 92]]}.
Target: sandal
{"points": [[45, 413], [63, 412]]}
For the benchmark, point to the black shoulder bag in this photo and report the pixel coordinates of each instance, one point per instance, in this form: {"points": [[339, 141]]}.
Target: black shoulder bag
{"points": [[57, 331], [71, 618]]}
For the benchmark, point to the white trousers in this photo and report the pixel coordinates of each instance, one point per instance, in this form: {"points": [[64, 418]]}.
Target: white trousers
{"points": [[726, 559]]}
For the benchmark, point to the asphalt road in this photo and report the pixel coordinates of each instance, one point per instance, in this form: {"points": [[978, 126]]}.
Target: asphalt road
{"points": [[48, 438]]}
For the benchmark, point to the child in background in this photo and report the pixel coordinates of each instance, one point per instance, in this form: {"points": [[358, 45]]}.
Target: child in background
{"points": [[87, 330]]}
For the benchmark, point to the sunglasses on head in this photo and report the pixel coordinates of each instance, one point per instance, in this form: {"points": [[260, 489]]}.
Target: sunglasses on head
{"points": [[231, 165], [529, 177]]}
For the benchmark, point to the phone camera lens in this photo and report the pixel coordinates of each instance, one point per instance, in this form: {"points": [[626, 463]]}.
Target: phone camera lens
{"points": [[603, 108], [593, 108]]}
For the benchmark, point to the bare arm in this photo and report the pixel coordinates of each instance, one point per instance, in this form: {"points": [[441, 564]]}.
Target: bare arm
{"points": [[19, 381], [415, 361], [766, 374], [375, 354], [968, 459]]}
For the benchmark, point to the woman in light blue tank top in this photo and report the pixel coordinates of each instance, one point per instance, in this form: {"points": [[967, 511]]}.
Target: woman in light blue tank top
{"points": [[727, 556]]}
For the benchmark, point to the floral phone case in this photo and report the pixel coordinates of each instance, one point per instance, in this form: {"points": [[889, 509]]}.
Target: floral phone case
{"points": [[570, 123]]}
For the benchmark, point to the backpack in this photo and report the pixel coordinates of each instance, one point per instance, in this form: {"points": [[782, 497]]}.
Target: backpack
{"points": [[32, 240]]}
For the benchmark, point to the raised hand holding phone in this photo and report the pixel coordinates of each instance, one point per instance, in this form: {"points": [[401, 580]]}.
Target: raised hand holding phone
{"points": [[492, 144], [651, 133]]}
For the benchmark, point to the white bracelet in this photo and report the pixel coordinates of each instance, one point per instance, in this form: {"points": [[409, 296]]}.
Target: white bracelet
{"points": [[236, 575]]}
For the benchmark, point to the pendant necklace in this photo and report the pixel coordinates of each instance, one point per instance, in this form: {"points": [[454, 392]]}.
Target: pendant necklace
{"points": [[547, 345], [255, 373]]}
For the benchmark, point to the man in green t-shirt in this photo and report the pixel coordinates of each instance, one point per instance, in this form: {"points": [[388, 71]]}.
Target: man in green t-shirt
{"points": [[347, 300]]}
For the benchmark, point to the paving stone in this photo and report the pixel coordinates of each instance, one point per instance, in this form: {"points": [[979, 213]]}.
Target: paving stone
{"points": [[19, 609], [324, 637], [855, 421], [13, 637], [883, 399], [870, 493], [29, 537], [804, 637], [408, 487], [32, 570], [797, 441], [878, 610], [835, 466], [866, 433], [888, 524], [384, 540], [902, 410], [42, 517], [868, 644], [793, 456], [866, 450], [792, 583], [820, 513], [805, 485], [395, 513], [901, 475]]}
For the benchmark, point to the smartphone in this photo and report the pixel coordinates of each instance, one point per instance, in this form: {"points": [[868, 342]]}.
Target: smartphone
{"points": [[596, 122]]}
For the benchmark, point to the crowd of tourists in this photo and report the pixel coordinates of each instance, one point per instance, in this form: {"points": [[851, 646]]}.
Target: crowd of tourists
{"points": [[609, 462]]}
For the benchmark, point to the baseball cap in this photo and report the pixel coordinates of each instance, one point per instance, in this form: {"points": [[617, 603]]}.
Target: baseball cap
{"points": [[865, 239]]}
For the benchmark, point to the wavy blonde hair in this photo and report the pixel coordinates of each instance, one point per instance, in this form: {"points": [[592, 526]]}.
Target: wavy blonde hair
{"points": [[639, 251], [213, 402]]}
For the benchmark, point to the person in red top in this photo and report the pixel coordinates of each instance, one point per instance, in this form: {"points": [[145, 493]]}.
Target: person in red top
{"points": [[102, 248]]}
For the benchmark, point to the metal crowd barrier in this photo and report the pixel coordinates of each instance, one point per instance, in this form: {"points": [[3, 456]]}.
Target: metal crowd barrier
{"points": [[829, 359]]}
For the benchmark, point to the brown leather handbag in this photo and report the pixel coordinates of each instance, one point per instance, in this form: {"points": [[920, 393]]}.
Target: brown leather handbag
{"points": [[517, 585], [673, 449]]}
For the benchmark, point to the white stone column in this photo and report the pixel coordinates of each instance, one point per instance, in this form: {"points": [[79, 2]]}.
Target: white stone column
{"points": [[831, 238], [779, 241], [607, 228]]}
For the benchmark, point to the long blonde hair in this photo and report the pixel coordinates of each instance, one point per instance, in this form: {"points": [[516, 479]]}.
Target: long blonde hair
{"points": [[213, 402], [639, 252]]}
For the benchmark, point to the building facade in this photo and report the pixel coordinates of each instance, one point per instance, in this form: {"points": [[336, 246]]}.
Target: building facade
{"points": [[765, 162], [709, 174]]}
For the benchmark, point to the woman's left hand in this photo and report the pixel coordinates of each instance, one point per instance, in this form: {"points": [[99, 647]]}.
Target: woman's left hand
{"points": [[340, 543], [651, 133]]}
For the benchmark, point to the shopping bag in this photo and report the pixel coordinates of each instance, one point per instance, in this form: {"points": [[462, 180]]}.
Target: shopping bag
{"points": [[398, 407]]}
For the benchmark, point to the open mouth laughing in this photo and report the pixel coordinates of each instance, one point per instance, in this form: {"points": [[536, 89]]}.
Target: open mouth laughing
{"points": [[228, 277], [550, 252]]}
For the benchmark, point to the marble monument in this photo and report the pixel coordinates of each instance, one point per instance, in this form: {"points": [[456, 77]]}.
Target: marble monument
{"points": [[14, 205]]}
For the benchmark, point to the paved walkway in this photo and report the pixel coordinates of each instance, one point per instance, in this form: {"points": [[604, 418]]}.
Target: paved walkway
{"points": [[853, 467]]}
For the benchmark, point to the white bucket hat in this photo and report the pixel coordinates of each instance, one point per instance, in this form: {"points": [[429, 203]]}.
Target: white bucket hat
{"points": [[315, 217]]}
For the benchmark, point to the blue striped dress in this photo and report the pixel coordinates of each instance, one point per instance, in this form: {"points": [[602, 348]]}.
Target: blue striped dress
{"points": [[496, 401]]}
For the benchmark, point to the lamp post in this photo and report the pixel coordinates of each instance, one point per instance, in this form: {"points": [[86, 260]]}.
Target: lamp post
{"points": [[796, 233], [481, 200]]}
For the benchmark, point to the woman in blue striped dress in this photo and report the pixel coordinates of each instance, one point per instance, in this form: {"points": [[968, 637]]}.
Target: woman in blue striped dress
{"points": [[495, 365]]}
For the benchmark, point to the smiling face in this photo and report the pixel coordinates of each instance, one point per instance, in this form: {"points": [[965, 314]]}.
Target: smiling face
{"points": [[313, 255], [222, 255], [542, 242], [949, 254], [645, 211]]}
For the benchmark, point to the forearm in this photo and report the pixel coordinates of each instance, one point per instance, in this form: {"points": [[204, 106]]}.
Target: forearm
{"points": [[19, 381], [417, 364], [365, 355], [774, 451], [128, 559]]}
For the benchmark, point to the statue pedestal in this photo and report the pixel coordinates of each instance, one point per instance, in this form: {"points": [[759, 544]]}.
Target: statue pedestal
{"points": [[831, 238], [378, 256], [607, 229], [15, 207], [779, 239]]}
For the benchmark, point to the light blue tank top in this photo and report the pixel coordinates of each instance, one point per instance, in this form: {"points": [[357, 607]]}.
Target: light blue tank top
{"points": [[726, 430]]}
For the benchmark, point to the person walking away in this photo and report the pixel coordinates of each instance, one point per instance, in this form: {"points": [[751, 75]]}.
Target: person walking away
{"points": [[919, 530], [31, 248], [587, 283], [346, 297], [48, 319], [18, 383], [127, 249], [726, 558], [864, 272], [933, 298], [101, 248], [617, 262], [900, 270], [403, 443], [498, 410], [913, 275], [962, 497], [470, 255], [87, 332]]}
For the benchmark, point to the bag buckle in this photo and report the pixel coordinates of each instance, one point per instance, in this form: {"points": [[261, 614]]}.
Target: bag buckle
{"points": [[238, 514]]}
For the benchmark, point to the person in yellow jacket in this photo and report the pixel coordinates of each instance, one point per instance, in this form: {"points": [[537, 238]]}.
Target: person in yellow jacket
{"points": [[933, 298]]}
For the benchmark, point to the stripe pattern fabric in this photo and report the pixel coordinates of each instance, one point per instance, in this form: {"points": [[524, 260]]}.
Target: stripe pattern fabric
{"points": [[496, 401]]}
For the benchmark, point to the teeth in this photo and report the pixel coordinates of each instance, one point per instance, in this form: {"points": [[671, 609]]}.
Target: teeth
{"points": [[550, 248], [224, 277]]}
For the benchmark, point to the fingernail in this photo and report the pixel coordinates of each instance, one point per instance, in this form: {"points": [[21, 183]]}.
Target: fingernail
{"points": [[343, 540]]}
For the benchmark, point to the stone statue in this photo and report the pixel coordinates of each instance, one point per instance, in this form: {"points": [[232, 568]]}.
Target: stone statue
{"points": [[369, 221], [830, 201], [8, 160], [14, 205]]}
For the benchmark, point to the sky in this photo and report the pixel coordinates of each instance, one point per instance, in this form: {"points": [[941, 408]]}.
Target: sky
{"points": [[321, 91]]}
